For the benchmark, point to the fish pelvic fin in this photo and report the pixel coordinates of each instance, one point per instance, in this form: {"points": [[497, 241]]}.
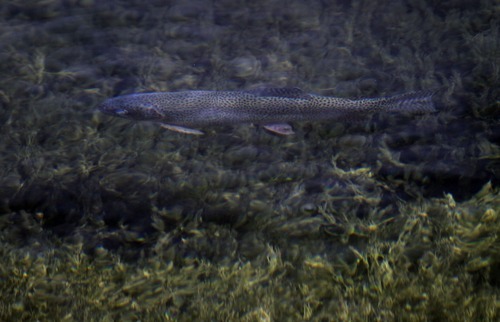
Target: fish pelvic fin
{"points": [[279, 128]]}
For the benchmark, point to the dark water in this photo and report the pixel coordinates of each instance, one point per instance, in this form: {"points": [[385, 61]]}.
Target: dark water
{"points": [[71, 175], [64, 160]]}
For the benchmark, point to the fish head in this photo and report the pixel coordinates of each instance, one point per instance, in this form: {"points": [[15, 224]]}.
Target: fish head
{"points": [[135, 107]]}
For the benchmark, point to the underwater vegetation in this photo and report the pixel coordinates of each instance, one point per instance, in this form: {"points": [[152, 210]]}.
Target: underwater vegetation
{"points": [[440, 260], [395, 217]]}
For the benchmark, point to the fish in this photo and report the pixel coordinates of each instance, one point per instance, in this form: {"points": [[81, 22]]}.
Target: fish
{"points": [[272, 107]]}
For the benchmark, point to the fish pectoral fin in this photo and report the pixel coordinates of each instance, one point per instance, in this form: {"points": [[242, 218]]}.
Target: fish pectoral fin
{"points": [[279, 128], [181, 129]]}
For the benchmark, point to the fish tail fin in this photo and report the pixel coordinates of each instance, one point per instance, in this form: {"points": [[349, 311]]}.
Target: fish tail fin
{"points": [[412, 102]]}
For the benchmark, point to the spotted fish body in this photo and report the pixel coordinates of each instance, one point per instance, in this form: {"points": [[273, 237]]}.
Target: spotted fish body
{"points": [[270, 107]]}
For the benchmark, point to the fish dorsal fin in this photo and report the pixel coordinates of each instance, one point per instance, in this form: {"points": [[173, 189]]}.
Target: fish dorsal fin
{"points": [[287, 92]]}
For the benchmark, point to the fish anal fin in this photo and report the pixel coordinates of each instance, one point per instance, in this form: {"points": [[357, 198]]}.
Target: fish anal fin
{"points": [[181, 129], [286, 92], [279, 128]]}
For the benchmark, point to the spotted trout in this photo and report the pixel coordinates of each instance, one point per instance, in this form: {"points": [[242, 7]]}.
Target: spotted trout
{"points": [[272, 108]]}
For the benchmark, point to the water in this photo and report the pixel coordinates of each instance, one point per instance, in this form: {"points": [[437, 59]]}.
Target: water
{"points": [[332, 193]]}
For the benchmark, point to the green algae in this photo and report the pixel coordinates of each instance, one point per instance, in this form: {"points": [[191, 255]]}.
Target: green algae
{"points": [[438, 261]]}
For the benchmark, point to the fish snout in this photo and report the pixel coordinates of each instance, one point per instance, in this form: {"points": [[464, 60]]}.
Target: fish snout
{"points": [[130, 108], [107, 107]]}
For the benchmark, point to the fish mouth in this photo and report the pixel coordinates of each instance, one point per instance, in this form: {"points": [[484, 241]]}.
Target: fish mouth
{"points": [[110, 107], [138, 111]]}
